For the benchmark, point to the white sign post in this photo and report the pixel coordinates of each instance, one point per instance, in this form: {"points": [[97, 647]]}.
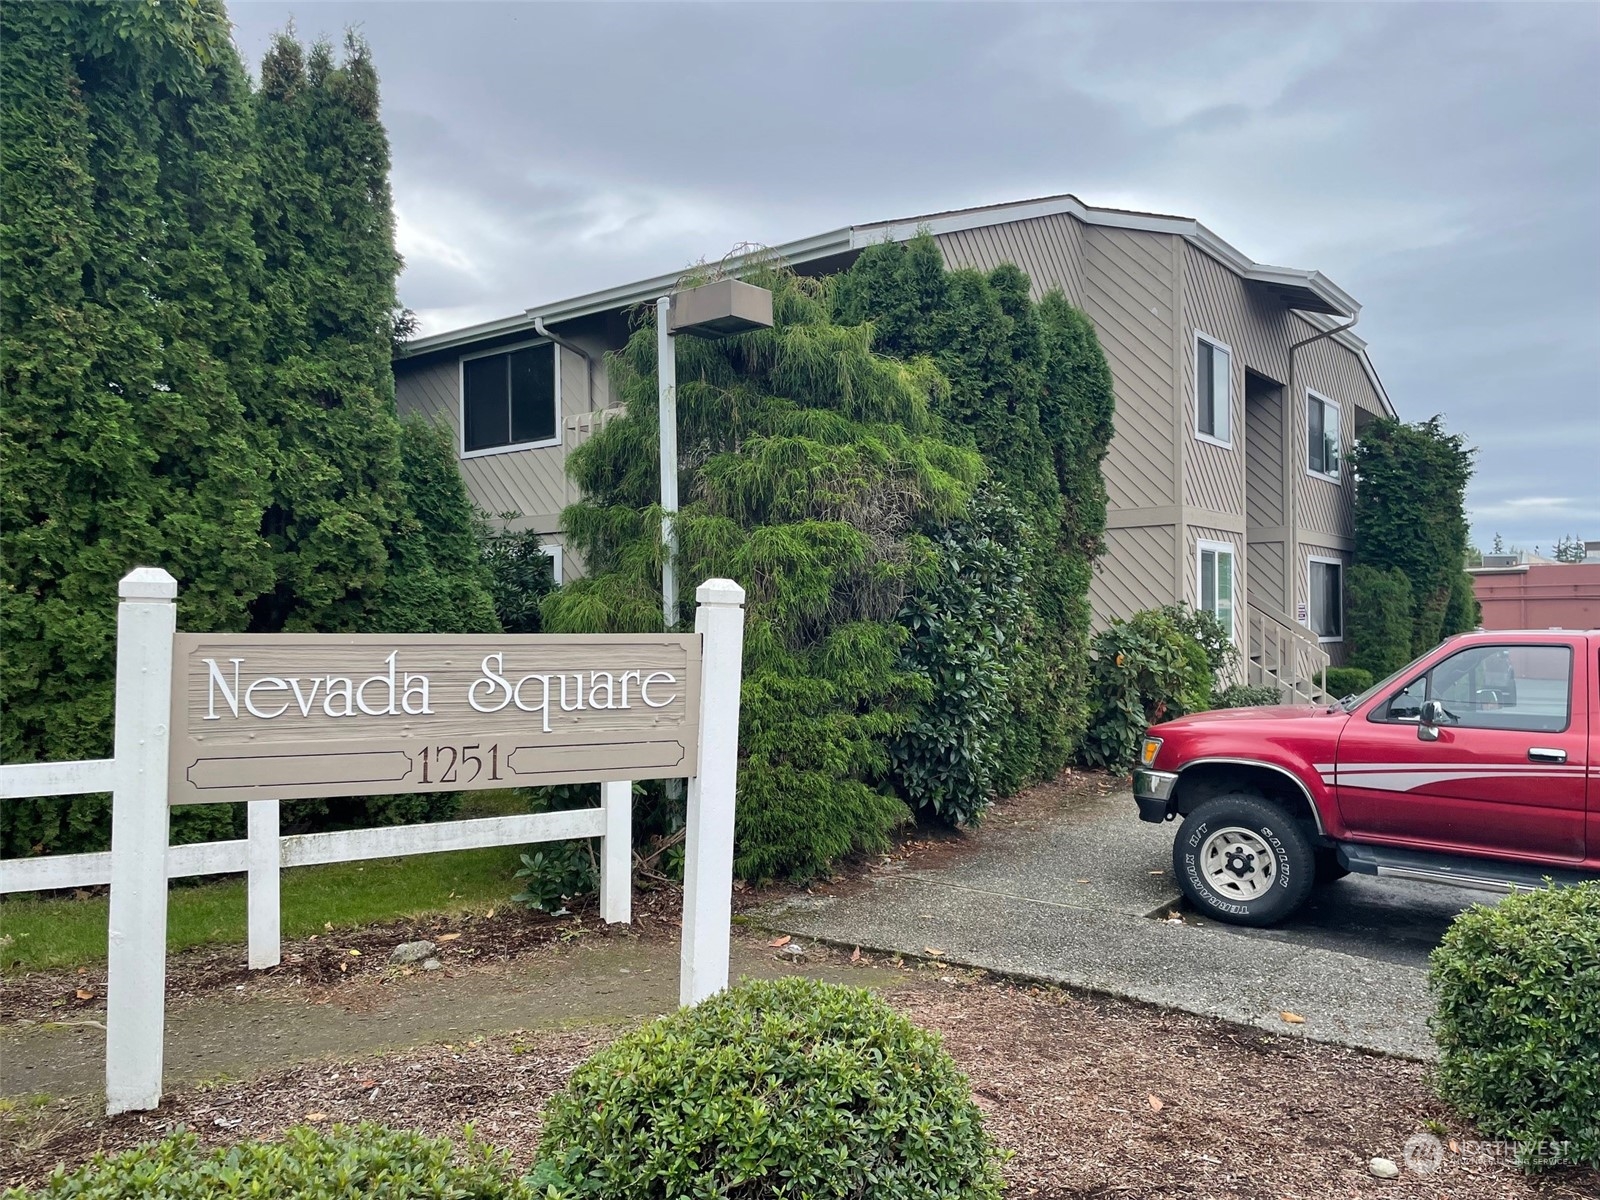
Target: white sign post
{"points": [[161, 759], [708, 844], [136, 979]]}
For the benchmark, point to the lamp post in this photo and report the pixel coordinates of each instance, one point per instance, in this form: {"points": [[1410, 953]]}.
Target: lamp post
{"points": [[712, 310]]}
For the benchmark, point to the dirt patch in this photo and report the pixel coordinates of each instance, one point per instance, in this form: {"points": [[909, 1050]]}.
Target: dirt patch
{"points": [[329, 962], [1094, 1098]]}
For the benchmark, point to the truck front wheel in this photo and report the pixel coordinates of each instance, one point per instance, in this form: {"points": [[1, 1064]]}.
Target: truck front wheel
{"points": [[1243, 860]]}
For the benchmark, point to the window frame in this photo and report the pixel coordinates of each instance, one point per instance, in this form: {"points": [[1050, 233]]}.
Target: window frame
{"points": [[1379, 713], [1325, 560], [553, 553], [1315, 397], [1201, 546], [1194, 360], [461, 401]]}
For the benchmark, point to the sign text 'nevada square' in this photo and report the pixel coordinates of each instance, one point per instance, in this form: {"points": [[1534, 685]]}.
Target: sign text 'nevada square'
{"points": [[297, 716]]}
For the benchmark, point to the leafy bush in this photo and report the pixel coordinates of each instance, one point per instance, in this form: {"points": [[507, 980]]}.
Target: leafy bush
{"points": [[965, 630], [1242, 695], [308, 1164], [1145, 670], [557, 874], [521, 574], [1517, 1018], [1346, 681], [1378, 619], [1212, 635], [781, 1088]]}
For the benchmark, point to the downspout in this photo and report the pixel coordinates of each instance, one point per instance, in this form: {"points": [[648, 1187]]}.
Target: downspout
{"points": [[588, 359], [1291, 477]]}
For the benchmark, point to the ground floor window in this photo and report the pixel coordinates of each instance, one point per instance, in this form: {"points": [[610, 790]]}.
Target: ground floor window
{"points": [[1216, 582], [1327, 599]]}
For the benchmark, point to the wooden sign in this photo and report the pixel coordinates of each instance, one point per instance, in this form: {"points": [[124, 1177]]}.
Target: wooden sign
{"points": [[300, 716]]}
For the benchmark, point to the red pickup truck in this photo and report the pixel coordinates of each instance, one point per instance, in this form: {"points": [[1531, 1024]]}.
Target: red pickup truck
{"points": [[1478, 764]]}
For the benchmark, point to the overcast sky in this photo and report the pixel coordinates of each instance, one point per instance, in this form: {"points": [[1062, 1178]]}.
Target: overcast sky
{"points": [[1441, 162]]}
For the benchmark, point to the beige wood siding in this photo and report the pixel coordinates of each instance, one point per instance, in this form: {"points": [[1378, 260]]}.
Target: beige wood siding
{"points": [[531, 482], [1135, 572], [1048, 249], [1265, 514], [1131, 294]]}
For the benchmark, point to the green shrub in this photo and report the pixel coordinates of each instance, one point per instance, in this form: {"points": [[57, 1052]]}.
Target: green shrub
{"points": [[1378, 619], [557, 874], [1242, 695], [781, 1088], [1146, 669], [1346, 681], [308, 1164], [965, 632], [1517, 1018]]}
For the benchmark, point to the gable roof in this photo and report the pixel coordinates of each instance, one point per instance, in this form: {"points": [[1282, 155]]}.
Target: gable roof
{"points": [[1311, 293]]}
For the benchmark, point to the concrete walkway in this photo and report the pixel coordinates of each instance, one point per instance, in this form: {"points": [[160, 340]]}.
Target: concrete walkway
{"points": [[1065, 891]]}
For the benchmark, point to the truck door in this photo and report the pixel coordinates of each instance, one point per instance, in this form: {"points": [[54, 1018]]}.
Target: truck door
{"points": [[1507, 772]]}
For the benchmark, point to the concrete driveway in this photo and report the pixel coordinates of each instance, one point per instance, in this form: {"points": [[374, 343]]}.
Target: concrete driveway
{"points": [[1067, 886]]}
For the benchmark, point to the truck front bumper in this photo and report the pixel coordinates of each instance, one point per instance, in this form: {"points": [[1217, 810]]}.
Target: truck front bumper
{"points": [[1152, 791]]}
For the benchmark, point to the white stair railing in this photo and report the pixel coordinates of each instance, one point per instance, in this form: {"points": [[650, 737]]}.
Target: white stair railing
{"points": [[1284, 655]]}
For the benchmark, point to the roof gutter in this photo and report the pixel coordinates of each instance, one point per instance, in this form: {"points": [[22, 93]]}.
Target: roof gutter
{"points": [[543, 331]]}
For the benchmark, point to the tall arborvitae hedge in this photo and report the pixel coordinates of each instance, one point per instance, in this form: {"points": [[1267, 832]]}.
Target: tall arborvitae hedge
{"points": [[194, 372], [809, 465], [1030, 389], [1410, 517]]}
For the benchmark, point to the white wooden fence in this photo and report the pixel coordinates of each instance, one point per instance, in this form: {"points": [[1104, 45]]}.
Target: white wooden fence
{"points": [[140, 860]]}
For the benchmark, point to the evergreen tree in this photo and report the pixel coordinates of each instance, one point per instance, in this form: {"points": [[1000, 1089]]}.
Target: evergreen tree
{"points": [[810, 464], [129, 327], [195, 370], [1030, 388], [1410, 515]]}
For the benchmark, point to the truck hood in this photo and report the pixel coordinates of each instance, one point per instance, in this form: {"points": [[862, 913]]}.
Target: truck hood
{"points": [[1273, 713]]}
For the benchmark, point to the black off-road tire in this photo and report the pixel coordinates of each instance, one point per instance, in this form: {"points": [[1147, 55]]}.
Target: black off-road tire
{"points": [[1243, 860]]}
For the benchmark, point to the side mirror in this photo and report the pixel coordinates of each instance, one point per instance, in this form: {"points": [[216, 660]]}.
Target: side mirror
{"points": [[1432, 717]]}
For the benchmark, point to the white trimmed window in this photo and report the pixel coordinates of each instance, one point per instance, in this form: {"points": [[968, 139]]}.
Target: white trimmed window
{"points": [[508, 399], [1215, 584], [1326, 609], [1213, 390], [1322, 436], [553, 553]]}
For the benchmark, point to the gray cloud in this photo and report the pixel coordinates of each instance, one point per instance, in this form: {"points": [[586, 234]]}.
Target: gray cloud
{"points": [[1440, 161]]}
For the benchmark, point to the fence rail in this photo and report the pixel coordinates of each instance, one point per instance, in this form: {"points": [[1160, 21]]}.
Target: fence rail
{"points": [[55, 871]]}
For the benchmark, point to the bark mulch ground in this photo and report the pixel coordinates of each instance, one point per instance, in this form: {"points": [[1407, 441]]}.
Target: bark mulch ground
{"points": [[1092, 1097]]}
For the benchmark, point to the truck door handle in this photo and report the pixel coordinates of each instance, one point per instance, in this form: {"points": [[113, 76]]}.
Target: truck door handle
{"points": [[1544, 754]]}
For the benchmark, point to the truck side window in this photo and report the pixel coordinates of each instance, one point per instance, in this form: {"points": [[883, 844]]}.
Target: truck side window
{"points": [[1516, 687]]}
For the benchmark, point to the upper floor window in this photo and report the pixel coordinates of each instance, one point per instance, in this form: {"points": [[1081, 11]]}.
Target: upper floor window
{"points": [[1216, 582], [508, 399], [1213, 378], [1322, 437]]}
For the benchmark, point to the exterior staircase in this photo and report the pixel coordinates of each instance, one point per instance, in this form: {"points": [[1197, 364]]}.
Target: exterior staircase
{"points": [[1284, 655]]}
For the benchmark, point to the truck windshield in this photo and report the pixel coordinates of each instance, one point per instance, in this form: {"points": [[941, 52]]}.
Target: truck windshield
{"points": [[1351, 703]]}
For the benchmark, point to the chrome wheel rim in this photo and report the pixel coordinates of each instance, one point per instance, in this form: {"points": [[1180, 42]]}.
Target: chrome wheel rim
{"points": [[1237, 863]]}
